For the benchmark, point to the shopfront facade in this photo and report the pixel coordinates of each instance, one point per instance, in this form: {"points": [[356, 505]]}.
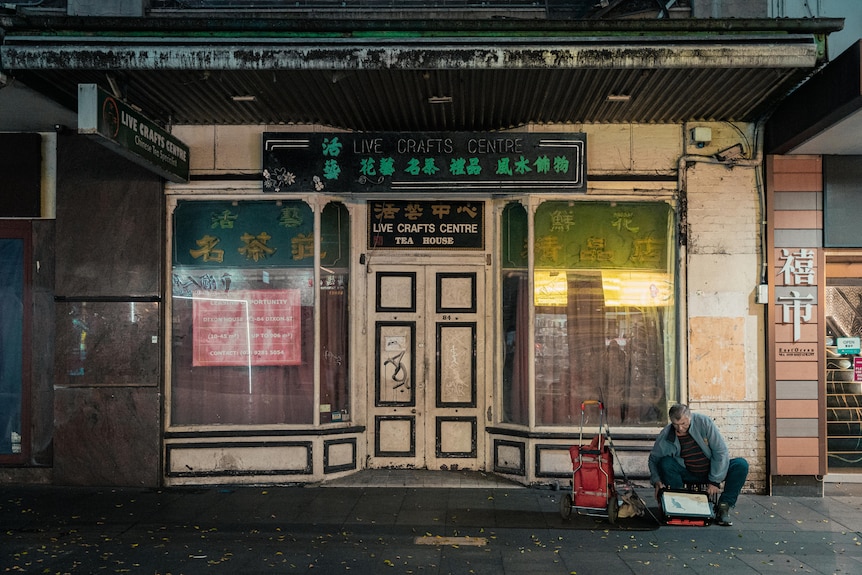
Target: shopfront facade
{"points": [[403, 254], [446, 327]]}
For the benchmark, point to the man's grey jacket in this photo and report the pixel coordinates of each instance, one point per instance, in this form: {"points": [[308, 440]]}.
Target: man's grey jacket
{"points": [[705, 433]]}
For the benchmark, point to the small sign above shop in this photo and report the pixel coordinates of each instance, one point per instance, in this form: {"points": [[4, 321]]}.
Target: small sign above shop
{"points": [[334, 162], [441, 224], [796, 351], [847, 345], [123, 129]]}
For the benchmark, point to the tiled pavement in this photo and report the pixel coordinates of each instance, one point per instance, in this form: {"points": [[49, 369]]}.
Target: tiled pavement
{"points": [[392, 521]]}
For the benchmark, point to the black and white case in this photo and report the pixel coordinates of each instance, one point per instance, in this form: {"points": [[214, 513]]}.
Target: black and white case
{"points": [[682, 507]]}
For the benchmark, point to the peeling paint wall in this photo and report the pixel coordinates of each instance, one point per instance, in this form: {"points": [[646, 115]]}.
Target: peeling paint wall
{"points": [[726, 329]]}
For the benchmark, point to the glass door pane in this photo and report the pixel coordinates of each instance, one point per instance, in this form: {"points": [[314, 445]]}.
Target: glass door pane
{"points": [[11, 344]]}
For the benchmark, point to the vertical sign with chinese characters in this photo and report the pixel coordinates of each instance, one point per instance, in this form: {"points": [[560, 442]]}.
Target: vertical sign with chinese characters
{"points": [[797, 335], [407, 162], [796, 288]]}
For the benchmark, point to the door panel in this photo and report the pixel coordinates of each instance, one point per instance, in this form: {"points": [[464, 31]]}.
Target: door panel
{"points": [[456, 365], [395, 376], [398, 367], [427, 398]]}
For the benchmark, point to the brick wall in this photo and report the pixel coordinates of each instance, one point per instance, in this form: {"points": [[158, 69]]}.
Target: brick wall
{"points": [[742, 426], [723, 210]]}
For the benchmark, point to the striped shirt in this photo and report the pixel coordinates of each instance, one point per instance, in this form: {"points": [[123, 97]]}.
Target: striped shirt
{"points": [[695, 461]]}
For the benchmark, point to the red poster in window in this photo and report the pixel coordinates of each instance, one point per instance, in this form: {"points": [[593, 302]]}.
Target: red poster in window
{"points": [[248, 328]]}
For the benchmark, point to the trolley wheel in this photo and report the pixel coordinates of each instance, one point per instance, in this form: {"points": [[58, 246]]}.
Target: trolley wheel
{"points": [[566, 505], [613, 509]]}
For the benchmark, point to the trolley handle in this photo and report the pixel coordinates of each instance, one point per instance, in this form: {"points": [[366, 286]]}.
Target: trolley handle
{"points": [[584, 404], [602, 422]]}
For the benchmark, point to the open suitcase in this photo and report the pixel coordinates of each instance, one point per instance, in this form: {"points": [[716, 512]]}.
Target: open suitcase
{"points": [[593, 491], [686, 507]]}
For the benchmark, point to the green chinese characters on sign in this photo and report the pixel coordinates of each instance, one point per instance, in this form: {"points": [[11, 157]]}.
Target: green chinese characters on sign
{"points": [[331, 150], [395, 161], [332, 147], [591, 235]]}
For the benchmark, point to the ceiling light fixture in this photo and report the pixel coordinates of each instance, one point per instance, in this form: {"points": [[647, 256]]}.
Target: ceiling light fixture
{"points": [[619, 97], [115, 86], [243, 98], [440, 100]]}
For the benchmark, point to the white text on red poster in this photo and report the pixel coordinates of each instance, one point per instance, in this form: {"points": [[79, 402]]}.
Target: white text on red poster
{"points": [[248, 327]]}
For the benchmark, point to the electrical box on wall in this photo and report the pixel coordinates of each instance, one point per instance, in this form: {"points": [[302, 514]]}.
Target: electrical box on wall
{"points": [[701, 136], [761, 294]]}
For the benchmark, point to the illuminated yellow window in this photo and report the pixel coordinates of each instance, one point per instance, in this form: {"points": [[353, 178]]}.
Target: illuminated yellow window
{"points": [[603, 297]]}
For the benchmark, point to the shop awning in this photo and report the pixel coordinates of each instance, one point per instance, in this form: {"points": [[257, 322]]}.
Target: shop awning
{"points": [[423, 75], [825, 115]]}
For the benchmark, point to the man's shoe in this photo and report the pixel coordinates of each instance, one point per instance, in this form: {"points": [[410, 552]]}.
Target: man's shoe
{"points": [[722, 514]]}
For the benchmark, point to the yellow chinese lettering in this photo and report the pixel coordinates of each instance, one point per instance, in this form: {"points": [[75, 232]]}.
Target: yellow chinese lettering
{"points": [[255, 246], [207, 249]]}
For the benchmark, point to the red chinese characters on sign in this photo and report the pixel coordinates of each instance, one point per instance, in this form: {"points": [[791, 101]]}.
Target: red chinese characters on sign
{"points": [[247, 327]]}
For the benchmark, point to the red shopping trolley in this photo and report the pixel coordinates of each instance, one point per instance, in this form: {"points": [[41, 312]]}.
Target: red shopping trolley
{"points": [[593, 491]]}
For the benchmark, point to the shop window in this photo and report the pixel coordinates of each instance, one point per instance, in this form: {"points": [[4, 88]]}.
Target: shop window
{"points": [[243, 292], [14, 245], [334, 314], [515, 315], [604, 311], [843, 299]]}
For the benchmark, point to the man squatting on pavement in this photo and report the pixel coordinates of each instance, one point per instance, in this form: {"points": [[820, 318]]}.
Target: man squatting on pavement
{"points": [[691, 450]]}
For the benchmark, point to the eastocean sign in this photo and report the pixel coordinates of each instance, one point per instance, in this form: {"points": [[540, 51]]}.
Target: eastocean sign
{"points": [[426, 225], [131, 134], [379, 162]]}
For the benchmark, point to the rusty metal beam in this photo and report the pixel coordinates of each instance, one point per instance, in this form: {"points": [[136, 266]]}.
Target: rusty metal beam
{"points": [[84, 53]]}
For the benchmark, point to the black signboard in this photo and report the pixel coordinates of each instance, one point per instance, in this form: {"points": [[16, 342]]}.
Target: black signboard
{"points": [[122, 128], [335, 162], [426, 225]]}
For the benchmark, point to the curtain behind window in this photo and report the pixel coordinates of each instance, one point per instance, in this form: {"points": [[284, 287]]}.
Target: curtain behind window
{"points": [[604, 311], [516, 356], [586, 350]]}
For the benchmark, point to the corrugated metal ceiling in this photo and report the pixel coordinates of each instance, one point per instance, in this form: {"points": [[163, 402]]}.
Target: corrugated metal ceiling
{"points": [[399, 100], [381, 84]]}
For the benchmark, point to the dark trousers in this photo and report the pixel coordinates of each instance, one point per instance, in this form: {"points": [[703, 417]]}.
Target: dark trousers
{"points": [[675, 476]]}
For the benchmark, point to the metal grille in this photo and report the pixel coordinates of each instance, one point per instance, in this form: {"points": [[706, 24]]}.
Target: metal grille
{"points": [[350, 5]]}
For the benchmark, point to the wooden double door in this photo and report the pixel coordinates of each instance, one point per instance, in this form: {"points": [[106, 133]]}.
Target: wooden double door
{"points": [[426, 367]]}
